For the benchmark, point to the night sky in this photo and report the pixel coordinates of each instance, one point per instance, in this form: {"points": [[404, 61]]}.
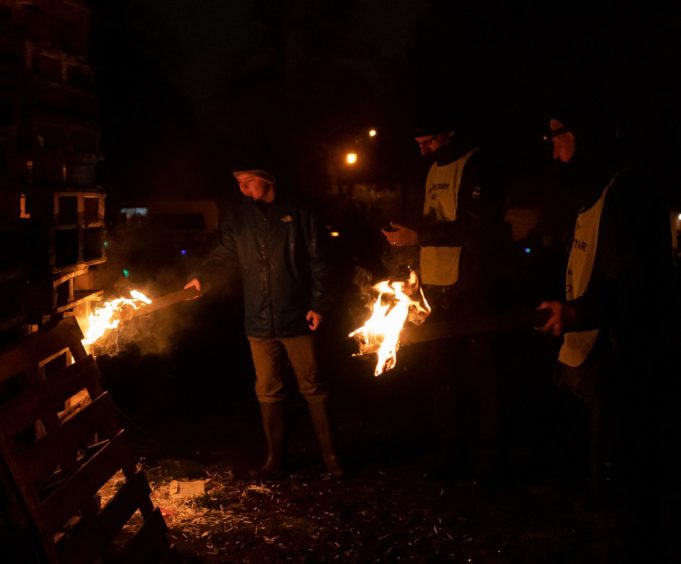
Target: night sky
{"points": [[184, 84]]}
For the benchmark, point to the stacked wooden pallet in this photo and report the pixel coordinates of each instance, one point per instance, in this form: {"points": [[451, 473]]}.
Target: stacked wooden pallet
{"points": [[49, 152], [60, 443]]}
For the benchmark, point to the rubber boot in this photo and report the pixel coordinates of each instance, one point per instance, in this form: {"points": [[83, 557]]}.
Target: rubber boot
{"points": [[322, 425], [273, 422]]}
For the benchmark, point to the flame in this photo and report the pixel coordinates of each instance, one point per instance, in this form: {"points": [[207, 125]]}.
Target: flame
{"points": [[108, 315], [391, 310]]}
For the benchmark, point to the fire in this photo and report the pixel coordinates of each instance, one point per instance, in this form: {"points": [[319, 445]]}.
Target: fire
{"points": [[391, 310], [108, 315]]}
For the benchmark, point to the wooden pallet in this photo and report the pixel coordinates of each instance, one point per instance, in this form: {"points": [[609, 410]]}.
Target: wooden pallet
{"points": [[60, 443]]}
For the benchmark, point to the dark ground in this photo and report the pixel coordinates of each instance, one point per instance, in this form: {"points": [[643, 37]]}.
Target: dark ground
{"points": [[194, 416]]}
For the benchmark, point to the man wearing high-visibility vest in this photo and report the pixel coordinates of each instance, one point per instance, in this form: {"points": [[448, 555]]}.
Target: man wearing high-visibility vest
{"points": [[618, 329]]}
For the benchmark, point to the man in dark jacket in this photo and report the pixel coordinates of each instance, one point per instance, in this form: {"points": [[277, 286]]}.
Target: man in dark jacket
{"points": [[458, 237], [618, 328], [276, 244]]}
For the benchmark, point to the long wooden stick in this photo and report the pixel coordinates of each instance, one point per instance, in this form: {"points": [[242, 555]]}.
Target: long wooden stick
{"points": [[167, 300], [474, 325]]}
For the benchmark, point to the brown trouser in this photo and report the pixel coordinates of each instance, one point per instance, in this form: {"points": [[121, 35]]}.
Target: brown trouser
{"points": [[270, 357]]}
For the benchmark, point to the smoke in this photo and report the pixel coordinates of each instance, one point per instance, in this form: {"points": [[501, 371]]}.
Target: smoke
{"points": [[363, 281], [155, 333]]}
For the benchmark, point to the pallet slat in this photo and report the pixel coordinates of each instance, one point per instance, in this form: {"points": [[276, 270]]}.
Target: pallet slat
{"points": [[124, 504], [94, 419], [23, 410], [41, 345], [82, 486]]}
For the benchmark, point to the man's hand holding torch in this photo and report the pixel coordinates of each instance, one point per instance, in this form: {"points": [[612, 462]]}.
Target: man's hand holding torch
{"points": [[398, 235], [562, 318], [196, 284]]}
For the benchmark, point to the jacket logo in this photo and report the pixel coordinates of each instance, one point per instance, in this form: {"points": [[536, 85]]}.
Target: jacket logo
{"points": [[287, 219]]}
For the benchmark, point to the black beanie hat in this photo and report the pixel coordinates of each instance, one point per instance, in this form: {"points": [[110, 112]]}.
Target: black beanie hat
{"points": [[434, 119], [257, 160], [588, 112]]}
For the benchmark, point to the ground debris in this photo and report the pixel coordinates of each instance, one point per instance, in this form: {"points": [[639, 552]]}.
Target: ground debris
{"points": [[387, 515], [181, 489]]}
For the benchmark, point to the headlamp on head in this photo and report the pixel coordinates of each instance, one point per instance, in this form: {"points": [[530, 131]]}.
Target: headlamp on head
{"points": [[548, 137]]}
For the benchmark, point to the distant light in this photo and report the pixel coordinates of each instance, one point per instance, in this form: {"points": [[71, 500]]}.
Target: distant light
{"points": [[351, 158], [106, 244], [680, 217], [373, 133], [334, 233], [527, 250], [126, 273], [132, 212], [183, 252]]}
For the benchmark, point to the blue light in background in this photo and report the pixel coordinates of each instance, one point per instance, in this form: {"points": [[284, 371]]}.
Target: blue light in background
{"points": [[183, 252], [126, 273], [527, 250]]}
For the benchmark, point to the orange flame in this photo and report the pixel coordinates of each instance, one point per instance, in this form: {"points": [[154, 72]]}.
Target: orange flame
{"points": [[392, 308], [108, 315]]}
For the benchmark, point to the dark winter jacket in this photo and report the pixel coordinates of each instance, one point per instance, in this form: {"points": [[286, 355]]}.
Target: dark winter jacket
{"points": [[279, 251], [631, 293]]}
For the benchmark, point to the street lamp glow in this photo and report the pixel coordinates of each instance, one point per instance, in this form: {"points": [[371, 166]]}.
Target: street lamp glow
{"points": [[351, 158], [373, 133]]}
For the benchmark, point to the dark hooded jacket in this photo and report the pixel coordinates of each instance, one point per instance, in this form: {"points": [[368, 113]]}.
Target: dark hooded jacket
{"points": [[631, 290], [279, 251]]}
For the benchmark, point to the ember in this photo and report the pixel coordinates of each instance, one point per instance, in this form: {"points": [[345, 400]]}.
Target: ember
{"points": [[107, 316], [393, 307]]}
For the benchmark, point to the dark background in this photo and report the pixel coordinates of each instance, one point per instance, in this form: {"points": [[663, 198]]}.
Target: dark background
{"points": [[182, 84]]}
